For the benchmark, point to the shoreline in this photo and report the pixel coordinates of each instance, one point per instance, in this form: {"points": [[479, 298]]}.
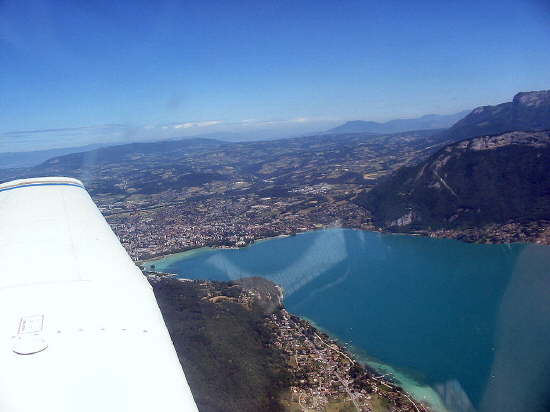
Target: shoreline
{"points": [[410, 384], [419, 391], [379, 371], [369, 380], [429, 235], [198, 248]]}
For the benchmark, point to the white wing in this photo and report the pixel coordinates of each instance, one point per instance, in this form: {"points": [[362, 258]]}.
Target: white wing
{"points": [[80, 329]]}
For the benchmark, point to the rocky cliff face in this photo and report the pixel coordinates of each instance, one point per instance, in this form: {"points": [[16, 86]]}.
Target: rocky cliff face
{"points": [[527, 111], [485, 180]]}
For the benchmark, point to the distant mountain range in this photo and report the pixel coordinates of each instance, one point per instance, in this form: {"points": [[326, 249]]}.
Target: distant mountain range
{"points": [[479, 181], [429, 121], [129, 153], [424, 181], [490, 182], [527, 111], [27, 159]]}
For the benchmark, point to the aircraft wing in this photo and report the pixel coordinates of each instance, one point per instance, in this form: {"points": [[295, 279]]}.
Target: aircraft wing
{"points": [[80, 329]]}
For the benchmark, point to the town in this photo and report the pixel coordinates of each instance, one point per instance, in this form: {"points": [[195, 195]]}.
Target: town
{"points": [[227, 222], [171, 196], [326, 376]]}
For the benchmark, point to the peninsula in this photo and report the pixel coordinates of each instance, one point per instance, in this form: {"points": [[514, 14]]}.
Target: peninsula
{"points": [[243, 351]]}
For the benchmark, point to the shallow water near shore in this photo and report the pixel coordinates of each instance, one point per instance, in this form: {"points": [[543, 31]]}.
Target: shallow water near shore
{"points": [[433, 312]]}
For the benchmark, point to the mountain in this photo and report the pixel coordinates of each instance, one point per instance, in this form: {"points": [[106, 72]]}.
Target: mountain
{"points": [[527, 111], [130, 152], [485, 180], [28, 159], [267, 168], [429, 121]]}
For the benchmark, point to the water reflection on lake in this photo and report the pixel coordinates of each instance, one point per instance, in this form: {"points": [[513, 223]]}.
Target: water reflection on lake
{"points": [[467, 321]]}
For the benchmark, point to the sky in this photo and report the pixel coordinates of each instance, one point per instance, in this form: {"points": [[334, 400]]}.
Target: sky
{"points": [[79, 72]]}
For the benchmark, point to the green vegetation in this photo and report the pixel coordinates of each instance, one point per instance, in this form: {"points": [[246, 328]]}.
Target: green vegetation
{"points": [[480, 181], [380, 404], [222, 346], [242, 351]]}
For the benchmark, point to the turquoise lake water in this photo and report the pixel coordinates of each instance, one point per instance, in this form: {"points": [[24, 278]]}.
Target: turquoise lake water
{"points": [[452, 321]]}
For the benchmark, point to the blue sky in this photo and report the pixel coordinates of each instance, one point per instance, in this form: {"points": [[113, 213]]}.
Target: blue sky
{"points": [[106, 70]]}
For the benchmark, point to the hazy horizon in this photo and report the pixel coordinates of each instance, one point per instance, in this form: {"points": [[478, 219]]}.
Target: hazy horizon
{"points": [[79, 73], [109, 134]]}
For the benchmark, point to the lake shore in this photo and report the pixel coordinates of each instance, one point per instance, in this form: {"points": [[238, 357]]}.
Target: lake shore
{"points": [[179, 253], [319, 372], [477, 236], [419, 391], [385, 292], [533, 232], [392, 376]]}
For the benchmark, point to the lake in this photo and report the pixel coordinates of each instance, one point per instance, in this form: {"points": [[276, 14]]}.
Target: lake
{"points": [[461, 324]]}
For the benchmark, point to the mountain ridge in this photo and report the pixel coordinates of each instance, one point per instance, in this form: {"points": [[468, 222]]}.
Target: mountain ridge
{"points": [[526, 111], [426, 122], [28, 159], [493, 179]]}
